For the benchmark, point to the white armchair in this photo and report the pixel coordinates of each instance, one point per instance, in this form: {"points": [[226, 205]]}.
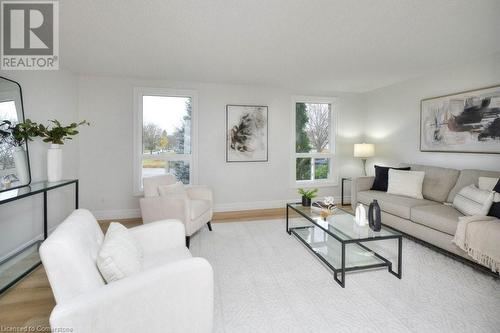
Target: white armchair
{"points": [[194, 211], [172, 293]]}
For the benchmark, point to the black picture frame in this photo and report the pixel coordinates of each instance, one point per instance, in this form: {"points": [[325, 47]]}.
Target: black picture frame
{"points": [[228, 136], [26, 144]]}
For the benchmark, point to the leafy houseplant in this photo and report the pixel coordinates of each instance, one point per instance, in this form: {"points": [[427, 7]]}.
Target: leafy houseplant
{"points": [[57, 133], [307, 196]]}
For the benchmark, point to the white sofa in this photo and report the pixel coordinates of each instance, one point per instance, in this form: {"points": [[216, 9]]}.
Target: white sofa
{"points": [[172, 293], [195, 211]]}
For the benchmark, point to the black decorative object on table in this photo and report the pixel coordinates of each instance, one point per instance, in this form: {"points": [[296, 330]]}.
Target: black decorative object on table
{"points": [[306, 202], [375, 222]]}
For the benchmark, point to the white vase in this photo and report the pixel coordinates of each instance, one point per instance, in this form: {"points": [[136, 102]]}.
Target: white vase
{"points": [[21, 164], [54, 163]]}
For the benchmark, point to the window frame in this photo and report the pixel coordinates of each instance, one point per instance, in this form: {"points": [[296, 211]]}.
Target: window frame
{"points": [[332, 179], [192, 158]]}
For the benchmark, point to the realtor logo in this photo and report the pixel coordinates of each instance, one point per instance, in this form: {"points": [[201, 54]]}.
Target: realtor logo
{"points": [[30, 35]]}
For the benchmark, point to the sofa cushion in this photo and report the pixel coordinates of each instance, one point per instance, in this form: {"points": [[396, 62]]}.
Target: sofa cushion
{"points": [[443, 218], [473, 201], [176, 190], [381, 181], [393, 204], [468, 177], [120, 254], [150, 184], [438, 182], [406, 183], [199, 207]]}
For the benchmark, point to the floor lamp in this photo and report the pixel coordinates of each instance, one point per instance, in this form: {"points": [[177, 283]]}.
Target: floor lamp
{"points": [[364, 151]]}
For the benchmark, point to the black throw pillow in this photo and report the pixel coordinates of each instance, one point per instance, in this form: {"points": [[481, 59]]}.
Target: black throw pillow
{"points": [[495, 208], [382, 177]]}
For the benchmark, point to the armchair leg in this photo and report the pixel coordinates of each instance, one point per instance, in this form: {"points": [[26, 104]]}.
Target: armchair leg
{"points": [[209, 226], [187, 241]]}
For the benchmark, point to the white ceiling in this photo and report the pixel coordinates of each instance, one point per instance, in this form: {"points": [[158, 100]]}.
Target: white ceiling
{"points": [[329, 45]]}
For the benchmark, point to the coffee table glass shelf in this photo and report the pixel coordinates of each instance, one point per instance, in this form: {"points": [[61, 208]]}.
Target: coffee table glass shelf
{"points": [[340, 243]]}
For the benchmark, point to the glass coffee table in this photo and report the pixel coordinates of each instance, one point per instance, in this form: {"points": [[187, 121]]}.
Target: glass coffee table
{"points": [[340, 243]]}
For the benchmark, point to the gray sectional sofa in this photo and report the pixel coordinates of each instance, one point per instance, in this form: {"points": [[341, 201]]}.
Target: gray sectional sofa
{"points": [[433, 219]]}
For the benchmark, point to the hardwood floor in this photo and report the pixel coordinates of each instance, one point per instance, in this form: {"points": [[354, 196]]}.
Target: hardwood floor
{"points": [[28, 304]]}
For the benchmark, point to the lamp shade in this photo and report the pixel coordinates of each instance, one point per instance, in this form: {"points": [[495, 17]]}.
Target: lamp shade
{"points": [[364, 150]]}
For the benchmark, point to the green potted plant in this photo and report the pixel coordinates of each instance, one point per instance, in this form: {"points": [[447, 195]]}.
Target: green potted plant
{"points": [[56, 134], [307, 196], [16, 136]]}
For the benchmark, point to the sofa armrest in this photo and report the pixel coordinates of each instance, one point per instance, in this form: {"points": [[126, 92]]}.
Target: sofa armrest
{"points": [[163, 207], [177, 297], [360, 184], [200, 192], [160, 235]]}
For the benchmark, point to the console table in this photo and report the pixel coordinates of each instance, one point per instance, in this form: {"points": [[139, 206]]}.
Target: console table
{"points": [[24, 192]]}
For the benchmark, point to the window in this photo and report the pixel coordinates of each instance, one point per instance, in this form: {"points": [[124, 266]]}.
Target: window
{"points": [[164, 134], [313, 142]]}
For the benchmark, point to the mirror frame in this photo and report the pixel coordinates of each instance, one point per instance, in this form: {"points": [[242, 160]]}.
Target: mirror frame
{"points": [[26, 144]]}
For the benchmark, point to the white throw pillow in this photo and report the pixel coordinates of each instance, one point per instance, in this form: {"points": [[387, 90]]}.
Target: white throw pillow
{"points": [[487, 183], [176, 190], [120, 254], [406, 183], [473, 201]]}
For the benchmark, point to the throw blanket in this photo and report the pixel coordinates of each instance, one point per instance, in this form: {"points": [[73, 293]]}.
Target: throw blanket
{"points": [[479, 236]]}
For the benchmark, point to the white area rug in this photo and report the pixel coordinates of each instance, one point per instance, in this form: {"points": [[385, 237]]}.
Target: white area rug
{"points": [[267, 281]]}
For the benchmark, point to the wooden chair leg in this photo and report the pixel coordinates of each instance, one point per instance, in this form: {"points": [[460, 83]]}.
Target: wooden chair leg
{"points": [[188, 238], [209, 226]]}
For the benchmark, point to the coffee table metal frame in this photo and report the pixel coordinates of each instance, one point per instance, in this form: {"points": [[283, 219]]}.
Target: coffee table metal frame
{"points": [[343, 269]]}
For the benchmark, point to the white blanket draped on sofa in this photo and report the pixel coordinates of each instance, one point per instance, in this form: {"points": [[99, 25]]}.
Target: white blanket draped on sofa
{"points": [[479, 236]]}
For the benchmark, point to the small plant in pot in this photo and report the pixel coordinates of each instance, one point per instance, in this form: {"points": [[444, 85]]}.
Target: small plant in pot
{"points": [[307, 196], [56, 134]]}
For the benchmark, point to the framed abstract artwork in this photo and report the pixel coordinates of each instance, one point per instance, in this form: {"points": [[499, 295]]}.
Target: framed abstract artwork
{"points": [[246, 133], [464, 122]]}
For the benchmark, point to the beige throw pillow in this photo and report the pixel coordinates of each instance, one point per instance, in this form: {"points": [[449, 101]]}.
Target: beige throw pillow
{"points": [[406, 183], [120, 254], [177, 190], [473, 201]]}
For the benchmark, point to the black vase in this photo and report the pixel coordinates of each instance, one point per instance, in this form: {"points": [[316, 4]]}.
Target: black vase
{"points": [[374, 218], [306, 202]]}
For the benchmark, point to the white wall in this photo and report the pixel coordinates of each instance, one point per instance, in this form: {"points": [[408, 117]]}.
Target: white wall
{"points": [[393, 115], [106, 149], [46, 95]]}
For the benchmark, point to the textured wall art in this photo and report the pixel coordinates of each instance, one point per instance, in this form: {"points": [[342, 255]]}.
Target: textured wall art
{"points": [[246, 130], [465, 122]]}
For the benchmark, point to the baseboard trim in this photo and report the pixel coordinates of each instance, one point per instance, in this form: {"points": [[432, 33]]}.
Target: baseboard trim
{"points": [[116, 214], [253, 205]]}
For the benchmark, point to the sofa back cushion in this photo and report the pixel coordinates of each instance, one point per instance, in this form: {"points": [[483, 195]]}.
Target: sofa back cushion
{"points": [[69, 256], [468, 177], [438, 181]]}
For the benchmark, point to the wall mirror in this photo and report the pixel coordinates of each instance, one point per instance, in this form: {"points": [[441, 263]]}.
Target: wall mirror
{"points": [[14, 158]]}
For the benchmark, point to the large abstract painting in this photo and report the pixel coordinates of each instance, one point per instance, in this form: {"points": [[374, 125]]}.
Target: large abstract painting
{"points": [[246, 129], [465, 122]]}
